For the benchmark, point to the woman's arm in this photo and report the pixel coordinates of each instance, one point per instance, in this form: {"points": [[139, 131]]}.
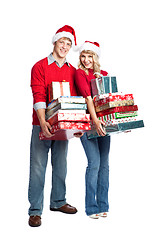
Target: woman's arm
{"points": [[98, 123]]}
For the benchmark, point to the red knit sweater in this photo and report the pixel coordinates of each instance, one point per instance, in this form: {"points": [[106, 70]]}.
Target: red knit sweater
{"points": [[43, 74]]}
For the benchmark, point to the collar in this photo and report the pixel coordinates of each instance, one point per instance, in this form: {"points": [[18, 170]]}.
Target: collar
{"points": [[51, 60]]}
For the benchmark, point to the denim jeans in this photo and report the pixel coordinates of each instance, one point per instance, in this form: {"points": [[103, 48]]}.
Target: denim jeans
{"points": [[38, 162], [97, 174]]}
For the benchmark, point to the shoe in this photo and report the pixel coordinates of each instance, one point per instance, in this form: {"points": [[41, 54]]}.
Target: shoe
{"points": [[94, 216], [103, 214], [34, 221], [65, 209]]}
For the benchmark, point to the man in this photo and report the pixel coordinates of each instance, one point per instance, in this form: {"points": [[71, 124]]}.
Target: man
{"points": [[53, 68]]}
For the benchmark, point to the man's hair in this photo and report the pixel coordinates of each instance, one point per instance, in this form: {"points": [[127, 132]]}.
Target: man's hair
{"points": [[65, 38]]}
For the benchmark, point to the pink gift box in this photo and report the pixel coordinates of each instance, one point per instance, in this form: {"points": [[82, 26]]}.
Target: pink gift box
{"points": [[81, 117]]}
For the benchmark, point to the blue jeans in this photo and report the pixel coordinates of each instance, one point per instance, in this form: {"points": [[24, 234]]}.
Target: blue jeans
{"points": [[38, 162], [97, 174]]}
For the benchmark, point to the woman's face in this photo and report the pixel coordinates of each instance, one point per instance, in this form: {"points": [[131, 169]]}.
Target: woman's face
{"points": [[87, 60]]}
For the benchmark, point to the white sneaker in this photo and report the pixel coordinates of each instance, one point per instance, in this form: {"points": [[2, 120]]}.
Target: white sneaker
{"points": [[103, 214], [94, 216]]}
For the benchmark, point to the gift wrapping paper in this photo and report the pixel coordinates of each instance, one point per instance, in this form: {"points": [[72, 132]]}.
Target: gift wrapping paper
{"points": [[113, 98], [115, 104], [117, 110], [80, 117], [57, 89]]}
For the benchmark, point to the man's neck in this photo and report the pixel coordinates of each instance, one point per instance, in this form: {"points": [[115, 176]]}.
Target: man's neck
{"points": [[58, 59]]}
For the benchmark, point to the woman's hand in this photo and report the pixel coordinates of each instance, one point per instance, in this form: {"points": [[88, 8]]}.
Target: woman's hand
{"points": [[98, 125]]}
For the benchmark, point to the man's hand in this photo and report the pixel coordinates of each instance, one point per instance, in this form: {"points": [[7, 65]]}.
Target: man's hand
{"points": [[46, 127], [78, 134]]}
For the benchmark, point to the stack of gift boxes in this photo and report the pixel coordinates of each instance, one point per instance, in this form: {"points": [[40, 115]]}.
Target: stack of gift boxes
{"points": [[66, 114], [117, 110]]}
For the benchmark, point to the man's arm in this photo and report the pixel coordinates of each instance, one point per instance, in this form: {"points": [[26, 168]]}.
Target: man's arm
{"points": [[45, 126]]}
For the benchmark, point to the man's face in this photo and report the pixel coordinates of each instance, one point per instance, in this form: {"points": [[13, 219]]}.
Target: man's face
{"points": [[62, 47]]}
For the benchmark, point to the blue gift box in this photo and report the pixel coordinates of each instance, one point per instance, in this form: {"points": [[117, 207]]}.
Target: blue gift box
{"points": [[103, 85], [120, 127]]}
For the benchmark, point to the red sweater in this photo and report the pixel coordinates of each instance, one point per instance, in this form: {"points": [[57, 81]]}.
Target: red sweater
{"points": [[43, 74], [83, 82]]}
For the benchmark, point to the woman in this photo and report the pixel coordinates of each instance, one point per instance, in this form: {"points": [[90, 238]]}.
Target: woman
{"points": [[96, 149]]}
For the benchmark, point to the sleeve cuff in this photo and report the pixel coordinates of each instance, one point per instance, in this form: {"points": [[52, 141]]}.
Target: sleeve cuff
{"points": [[39, 105]]}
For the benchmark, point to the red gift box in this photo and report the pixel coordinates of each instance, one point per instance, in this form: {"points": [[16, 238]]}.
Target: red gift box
{"points": [[66, 130], [117, 109], [70, 125], [111, 98]]}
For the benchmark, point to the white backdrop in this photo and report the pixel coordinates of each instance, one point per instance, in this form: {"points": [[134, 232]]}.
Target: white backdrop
{"points": [[128, 32]]}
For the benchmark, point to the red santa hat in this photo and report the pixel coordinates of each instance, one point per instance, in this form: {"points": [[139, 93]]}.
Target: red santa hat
{"points": [[66, 31], [93, 46]]}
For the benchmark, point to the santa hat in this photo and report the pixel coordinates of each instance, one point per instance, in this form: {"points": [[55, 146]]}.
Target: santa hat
{"points": [[68, 32], [93, 46]]}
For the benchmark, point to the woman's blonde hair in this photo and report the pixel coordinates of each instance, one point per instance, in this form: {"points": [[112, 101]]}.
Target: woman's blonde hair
{"points": [[96, 64]]}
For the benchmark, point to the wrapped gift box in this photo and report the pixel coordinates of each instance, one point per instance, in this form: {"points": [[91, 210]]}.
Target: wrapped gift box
{"points": [[80, 117], [65, 99], [114, 104], [122, 115], [66, 130], [110, 122], [103, 85], [117, 128], [121, 127], [57, 89], [61, 134], [112, 97], [117, 110], [66, 106], [70, 125]]}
